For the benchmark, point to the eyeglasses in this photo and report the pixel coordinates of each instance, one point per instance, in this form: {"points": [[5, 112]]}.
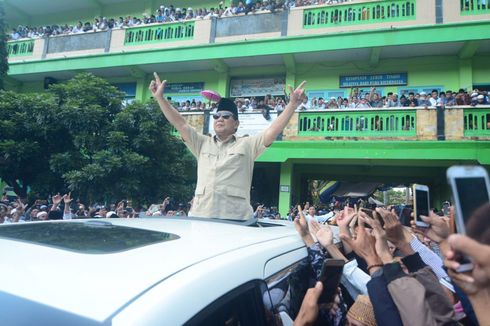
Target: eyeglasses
{"points": [[225, 115]]}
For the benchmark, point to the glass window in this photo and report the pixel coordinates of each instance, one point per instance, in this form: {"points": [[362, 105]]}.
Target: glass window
{"points": [[243, 306], [288, 287], [89, 237]]}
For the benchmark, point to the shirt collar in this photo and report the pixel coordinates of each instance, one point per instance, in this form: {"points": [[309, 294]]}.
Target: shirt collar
{"points": [[230, 139]]}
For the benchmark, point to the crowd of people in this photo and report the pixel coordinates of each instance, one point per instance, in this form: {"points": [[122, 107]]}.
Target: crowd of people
{"points": [[395, 273], [164, 14], [356, 100]]}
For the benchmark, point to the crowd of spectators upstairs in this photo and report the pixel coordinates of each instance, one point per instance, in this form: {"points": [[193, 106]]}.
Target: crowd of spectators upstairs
{"points": [[355, 100], [163, 14]]}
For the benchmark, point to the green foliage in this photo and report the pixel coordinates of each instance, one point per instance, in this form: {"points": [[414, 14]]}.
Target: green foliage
{"points": [[78, 137], [3, 46]]}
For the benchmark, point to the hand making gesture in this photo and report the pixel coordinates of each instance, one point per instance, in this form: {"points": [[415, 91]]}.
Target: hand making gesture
{"points": [[297, 95], [157, 86]]}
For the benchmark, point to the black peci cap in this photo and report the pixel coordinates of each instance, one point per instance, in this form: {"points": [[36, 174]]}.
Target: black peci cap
{"points": [[226, 104]]}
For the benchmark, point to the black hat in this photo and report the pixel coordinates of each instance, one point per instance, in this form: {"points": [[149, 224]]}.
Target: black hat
{"points": [[225, 104]]}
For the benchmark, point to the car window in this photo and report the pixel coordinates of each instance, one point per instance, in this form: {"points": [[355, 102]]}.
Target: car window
{"points": [[288, 287], [89, 237], [243, 306]]}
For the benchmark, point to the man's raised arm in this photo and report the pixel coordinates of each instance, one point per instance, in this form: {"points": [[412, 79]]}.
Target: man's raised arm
{"points": [[173, 116], [295, 98]]}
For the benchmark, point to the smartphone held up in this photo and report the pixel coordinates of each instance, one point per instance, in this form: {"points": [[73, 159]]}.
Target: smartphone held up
{"points": [[470, 188]]}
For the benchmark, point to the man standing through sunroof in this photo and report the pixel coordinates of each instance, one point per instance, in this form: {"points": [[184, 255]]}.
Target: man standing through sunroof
{"points": [[224, 162]]}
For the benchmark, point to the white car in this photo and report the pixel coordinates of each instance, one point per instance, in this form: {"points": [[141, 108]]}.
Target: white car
{"points": [[154, 271]]}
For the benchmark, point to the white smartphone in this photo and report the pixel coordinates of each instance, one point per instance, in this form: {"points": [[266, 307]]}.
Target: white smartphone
{"points": [[470, 186], [420, 204]]}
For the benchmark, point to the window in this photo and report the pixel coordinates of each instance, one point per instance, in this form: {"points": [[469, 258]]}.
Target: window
{"points": [[84, 237], [243, 306], [288, 287]]}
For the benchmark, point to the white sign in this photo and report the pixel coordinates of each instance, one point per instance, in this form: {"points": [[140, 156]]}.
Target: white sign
{"points": [[250, 123], [257, 87]]}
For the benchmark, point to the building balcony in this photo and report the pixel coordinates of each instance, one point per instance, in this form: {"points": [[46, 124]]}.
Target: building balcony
{"points": [[361, 15], [397, 124]]}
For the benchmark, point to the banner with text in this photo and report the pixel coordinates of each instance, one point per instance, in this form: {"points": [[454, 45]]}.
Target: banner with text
{"points": [[184, 88], [374, 80], [250, 123], [257, 87]]}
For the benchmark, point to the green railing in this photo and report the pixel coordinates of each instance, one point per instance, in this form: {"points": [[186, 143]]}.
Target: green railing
{"points": [[477, 122], [20, 48], [361, 13], [474, 7], [159, 33], [392, 123]]}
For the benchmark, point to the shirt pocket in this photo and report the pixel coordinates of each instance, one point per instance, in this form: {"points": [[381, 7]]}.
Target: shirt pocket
{"points": [[236, 192], [235, 158]]}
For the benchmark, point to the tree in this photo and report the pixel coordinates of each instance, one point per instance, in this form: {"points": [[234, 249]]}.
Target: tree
{"points": [[28, 135], [78, 137], [3, 46]]}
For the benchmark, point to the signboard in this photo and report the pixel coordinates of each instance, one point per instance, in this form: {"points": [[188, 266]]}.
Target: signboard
{"points": [[250, 123], [374, 80], [257, 86], [184, 88]]}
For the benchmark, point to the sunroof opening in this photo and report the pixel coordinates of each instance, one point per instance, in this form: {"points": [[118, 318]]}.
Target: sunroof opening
{"points": [[89, 237]]}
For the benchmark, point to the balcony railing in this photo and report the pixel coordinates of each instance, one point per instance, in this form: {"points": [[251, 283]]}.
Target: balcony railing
{"points": [[20, 48], [476, 122], [159, 33], [358, 123], [474, 7], [361, 13]]}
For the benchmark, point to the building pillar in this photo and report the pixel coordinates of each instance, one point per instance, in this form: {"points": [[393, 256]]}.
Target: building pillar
{"points": [[285, 187], [466, 74], [142, 89], [223, 84], [290, 80]]}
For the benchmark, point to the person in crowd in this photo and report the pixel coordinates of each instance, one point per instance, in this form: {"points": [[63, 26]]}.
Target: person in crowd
{"points": [[423, 101], [411, 101], [224, 181], [434, 98]]}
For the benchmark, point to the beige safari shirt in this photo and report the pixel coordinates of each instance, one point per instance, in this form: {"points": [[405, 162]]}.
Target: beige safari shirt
{"points": [[224, 175]]}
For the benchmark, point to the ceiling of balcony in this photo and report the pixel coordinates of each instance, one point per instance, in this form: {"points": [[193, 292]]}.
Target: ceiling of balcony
{"points": [[326, 59]]}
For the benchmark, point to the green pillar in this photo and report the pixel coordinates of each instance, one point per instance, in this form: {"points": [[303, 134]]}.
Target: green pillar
{"points": [[465, 74], [223, 84], [142, 89], [285, 187], [290, 80]]}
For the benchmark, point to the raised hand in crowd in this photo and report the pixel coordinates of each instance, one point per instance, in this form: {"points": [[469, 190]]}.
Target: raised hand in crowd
{"points": [[379, 233], [301, 226], [396, 233], [438, 229], [67, 200], [56, 201], [308, 312], [323, 233], [476, 283], [364, 246], [344, 219]]}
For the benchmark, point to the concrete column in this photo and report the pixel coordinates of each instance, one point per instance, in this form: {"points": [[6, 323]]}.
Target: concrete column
{"points": [[223, 84], [465, 74], [141, 89], [285, 187], [290, 79]]}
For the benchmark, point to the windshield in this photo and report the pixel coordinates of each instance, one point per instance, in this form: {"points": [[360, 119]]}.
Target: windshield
{"points": [[91, 237]]}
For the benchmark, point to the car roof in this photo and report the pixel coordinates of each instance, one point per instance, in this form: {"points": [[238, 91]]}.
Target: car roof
{"points": [[97, 285]]}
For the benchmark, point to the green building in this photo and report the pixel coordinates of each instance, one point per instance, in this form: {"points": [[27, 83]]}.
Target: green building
{"points": [[396, 45]]}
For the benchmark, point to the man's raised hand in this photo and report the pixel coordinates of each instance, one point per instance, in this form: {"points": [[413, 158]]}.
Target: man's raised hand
{"points": [[296, 95], [157, 86]]}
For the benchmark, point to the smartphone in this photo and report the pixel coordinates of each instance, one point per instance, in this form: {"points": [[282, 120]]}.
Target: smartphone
{"points": [[330, 278], [470, 187], [420, 204], [368, 212]]}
